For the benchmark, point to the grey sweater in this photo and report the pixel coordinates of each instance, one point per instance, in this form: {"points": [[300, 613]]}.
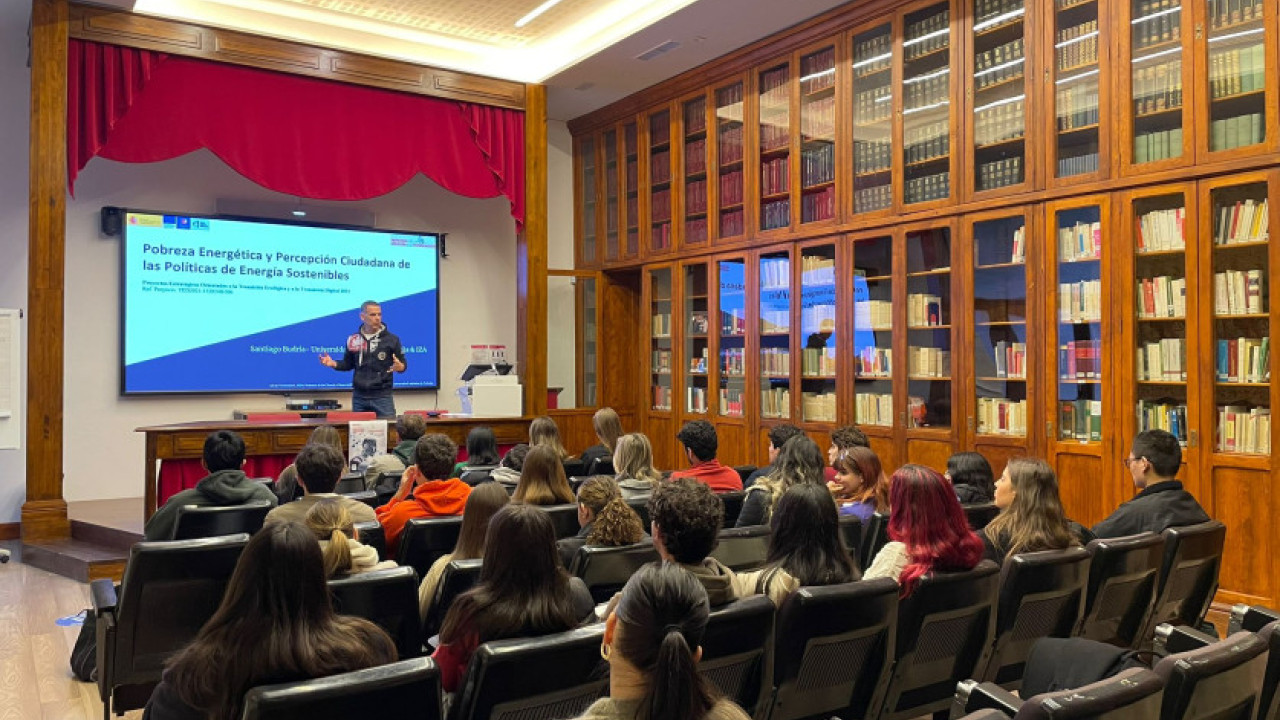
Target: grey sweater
{"points": [[225, 487]]}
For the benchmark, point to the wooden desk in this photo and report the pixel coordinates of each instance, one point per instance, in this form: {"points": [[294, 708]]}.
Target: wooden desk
{"points": [[186, 440]]}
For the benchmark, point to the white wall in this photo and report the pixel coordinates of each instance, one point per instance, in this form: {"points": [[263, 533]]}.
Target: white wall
{"points": [[104, 456], [562, 369], [15, 88]]}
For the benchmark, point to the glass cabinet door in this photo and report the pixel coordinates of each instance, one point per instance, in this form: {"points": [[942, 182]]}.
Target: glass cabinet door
{"points": [[1157, 71], [587, 211], [775, 147], [660, 339], [873, 119], [697, 348], [695, 171], [928, 314], [611, 212], [729, 155], [1077, 88], [1236, 71], [1079, 335], [732, 304], [818, 136], [999, 94], [775, 335], [631, 188], [926, 104], [818, 334], [1000, 326], [660, 182], [588, 378], [873, 331]]}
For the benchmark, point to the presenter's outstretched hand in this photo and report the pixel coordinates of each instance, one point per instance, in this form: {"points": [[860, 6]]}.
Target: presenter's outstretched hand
{"points": [[396, 364], [327, 361]]}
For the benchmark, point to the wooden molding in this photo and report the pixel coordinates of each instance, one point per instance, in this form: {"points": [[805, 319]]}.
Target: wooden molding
{"points": [[45, 520], [10, 531], [177, 38], [531, 256]]}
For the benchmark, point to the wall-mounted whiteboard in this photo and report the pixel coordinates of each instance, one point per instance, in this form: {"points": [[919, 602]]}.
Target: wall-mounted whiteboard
{"points": [[10, 379]]}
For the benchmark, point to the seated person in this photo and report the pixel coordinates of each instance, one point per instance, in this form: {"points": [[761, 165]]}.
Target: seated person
{"points": [[971, 476], [485, 500], [778, 436], [805, 547], [861, 488], [1031, 516], [320, 467], [508, 470], [543, 432], [275, 624], [343, 553], [426, 490], [842, 439], [800, 461], [226, 484], [651, 645], [408, 428], [287, 489], [700, 445], [685, 519], [605, 519], [542, 480], [927, 530], [482, 451], [1161, 503], [608, 427], [522, 592], [633, 463]]}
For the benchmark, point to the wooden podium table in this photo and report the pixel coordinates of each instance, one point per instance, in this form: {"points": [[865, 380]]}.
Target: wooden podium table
{"points": [[185, 441]]}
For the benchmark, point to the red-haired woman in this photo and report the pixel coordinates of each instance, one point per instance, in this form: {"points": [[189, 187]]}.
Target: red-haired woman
{"points": [[927, 530]]}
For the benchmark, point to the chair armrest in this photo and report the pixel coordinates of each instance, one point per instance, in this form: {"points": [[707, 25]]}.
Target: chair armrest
{"points": [[1174, 639], [972, 696], [103, 595]]}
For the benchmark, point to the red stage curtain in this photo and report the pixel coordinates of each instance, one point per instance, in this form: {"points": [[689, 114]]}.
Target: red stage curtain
{"points": [[177, 475], [296, 135]]}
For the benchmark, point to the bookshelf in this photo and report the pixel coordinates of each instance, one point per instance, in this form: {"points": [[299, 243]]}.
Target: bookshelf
{"points": [[773, 280], [631, 189], [818, 333], [730, 154], [661, 341], [873, 115], [1077, 94], [588, 354], [927, 316], [661, 199], [588, 217], [927, 104], [818, 135], [697, 357], [1234, 54], [612, 213], [693, 113], [873, 332], [1157, 53], [997, 85], [773, 104], [731, 303]]}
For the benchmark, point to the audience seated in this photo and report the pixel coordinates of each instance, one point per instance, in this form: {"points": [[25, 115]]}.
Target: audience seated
{"points": [[485, 500], [700, 445], [971, 476], [226, 484], [861, 488], [927, 530], [543, 432], [804, 548], [1161, 503], [522, 592], [1031, 516], [778, 436], [798, 462], [542, 480], [685, 517], [408, 428], [608, 427], [651, 643], [633, 463], [319, 468], [606, 519], [275, 624], [843, 438], [287, 483], [508, 471], [330, 521], [482, 451], [426, 489]]}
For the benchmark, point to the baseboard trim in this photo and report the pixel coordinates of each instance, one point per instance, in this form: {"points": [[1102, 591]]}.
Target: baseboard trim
{"points": [[10, 531]]}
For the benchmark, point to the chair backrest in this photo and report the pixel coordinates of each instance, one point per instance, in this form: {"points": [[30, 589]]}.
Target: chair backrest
{"points": [[601, 466], [744, 472], [389, 599], [458, 577], [1268, 697], [1123, 577], [389, 480], [1250, 617], [743, 548], [1041, 595], [169, 591], [851, 537], [564, 518], [641, 506], [833, 650], [409, 688], [875, 535], [606, 569], [346, 416], [979, 514], [732, 506], [944, 629], [368, 497], [474, 475], [370, 533], [1217, 682], [425, 540], [215, 520], [1188, 575], [1132, 694], [574, 467], [350, 483], [736, 650], [555, 676]]}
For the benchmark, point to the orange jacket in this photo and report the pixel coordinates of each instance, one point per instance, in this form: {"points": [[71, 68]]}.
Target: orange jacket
{"points": [[433, 498]]}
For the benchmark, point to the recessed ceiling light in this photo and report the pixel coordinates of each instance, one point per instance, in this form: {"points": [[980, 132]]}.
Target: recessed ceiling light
{"points": [[536, 12]]}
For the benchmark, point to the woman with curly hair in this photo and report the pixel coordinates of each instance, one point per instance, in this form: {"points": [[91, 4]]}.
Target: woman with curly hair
{"points": [[861, 488], [799, 461], [606, 520]]}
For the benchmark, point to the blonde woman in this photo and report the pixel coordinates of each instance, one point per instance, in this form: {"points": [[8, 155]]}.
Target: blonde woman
{"points": [[543, 432], [343, 553], [633, 463]]}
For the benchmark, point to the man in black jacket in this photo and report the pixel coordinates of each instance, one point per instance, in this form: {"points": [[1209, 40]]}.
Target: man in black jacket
{"points": [[1161, 503], [375, 354]]}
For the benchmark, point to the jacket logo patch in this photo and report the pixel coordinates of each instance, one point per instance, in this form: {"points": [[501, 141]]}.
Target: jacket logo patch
{"points": [[382, 355]]}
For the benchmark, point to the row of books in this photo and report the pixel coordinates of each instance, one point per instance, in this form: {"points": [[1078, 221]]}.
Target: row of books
{"points": [[733, 361], [731, 187], [874, 105], [695, 197], [773, 87], [729, 101], [1224, 13], [1162, 361], [660, 235], [732, 222], [730, 143], [1001, 63], [818, 70], [873, 198], [775, 273], [873, 409], [1077, 46], [1156, 22], [873, 55], [695, 157], [873, 314], [1080, 302], [1002, 122], [1069, 165], [660, 361], [1080, 420], [775, 176], [818, 407], [871, 156], [661, 397], [774, 322], [698, 363], [1158, 87], [660, 167], [817, 270], [695, 116], [818, 165], [820, 205], [1244, 430], [659, 129], [775, 135], [925, 91], [732, 402], [926, 142], [1239, 131], [1244, 221], [695, 400], [695, 231], [1238, 292], [1237, 71], [660, 205], [1162, 415], [775, 362], [818, 119], [1162, 296], [629, 139], [1080, 360], [1077, 106], [923, 309], [660, 325], [927, 35], [1000, 173], [775, 403], [988, 9], [873, 362], [1001, 416], [818, 362], [775, 214], [929, 362], [929, 187], [1161, 230], [818, 318], [632, 175], [1011, 359], [1244, 360], [1157, 145], [1081, 241], [1015, 243]]}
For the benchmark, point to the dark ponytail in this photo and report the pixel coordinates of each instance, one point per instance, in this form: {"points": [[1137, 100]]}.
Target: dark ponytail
{"points": [[677, 690]]}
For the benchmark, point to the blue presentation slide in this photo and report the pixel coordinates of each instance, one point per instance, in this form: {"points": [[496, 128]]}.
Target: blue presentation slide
{"points": [[216, 305]]}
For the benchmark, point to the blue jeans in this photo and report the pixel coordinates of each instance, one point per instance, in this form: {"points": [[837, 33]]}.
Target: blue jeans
{"points": [[384, 405]]}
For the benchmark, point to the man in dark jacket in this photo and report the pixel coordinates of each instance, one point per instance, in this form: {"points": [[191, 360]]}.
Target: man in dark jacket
{"points": [[375, 354], [778, 436], [1161, 503], [225, 484]]}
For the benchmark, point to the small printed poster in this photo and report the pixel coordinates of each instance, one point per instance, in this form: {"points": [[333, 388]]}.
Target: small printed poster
{"points": [[367, 438]]}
